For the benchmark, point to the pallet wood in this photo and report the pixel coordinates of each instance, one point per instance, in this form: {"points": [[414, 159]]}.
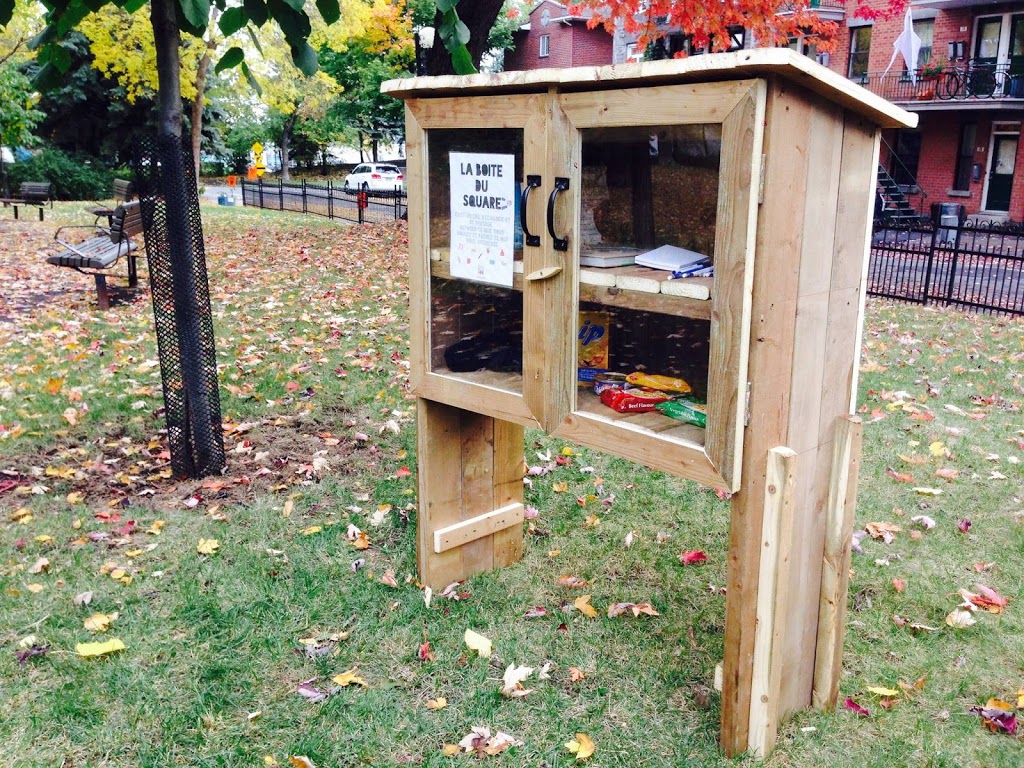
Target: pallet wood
{"points": [[772, 597], [835, 574]]}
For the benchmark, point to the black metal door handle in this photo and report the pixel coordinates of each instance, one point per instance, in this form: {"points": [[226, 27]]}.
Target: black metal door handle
{"points": [[531, 182], [559, 243]]}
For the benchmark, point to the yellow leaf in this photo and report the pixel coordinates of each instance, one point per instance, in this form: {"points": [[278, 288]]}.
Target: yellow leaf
{"points": [[98, 622], [583, 605], [207, 546], [885, 692], [54, 385], [134, 552], [301, 761], [1020, 699], [349, 677], [583, 747], [288, 505], [75, 497], [450, 750], [592, 521], [560, 487], [99, 649], [117, 574], [44, 539], [311, 530], [439, 703], [77, 524], [960, 619], [568, 451], [35, 589], [478, 643], [554, 552], [22, 515], [937, 448]]}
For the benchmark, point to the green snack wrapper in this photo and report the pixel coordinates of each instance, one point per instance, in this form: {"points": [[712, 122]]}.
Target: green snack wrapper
{"points": [[685, 411]]}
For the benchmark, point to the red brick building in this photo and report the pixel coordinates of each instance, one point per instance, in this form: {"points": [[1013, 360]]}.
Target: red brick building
{"points": [[969, 92], [552, 37]]}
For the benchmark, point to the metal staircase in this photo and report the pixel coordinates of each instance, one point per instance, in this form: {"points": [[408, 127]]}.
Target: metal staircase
{"points": [[894, 202]]}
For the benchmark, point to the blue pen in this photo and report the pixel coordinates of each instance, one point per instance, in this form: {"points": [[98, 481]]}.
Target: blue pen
{"points": [[690, 269]]}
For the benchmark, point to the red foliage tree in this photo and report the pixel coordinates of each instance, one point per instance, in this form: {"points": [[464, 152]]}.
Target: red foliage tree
{"points": [[771, 22]]}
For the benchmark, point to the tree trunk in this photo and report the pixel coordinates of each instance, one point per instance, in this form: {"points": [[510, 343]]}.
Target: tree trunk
{"points": [[201, 419], [479, 16], [286, 135], [373, 147], [197, 104]]}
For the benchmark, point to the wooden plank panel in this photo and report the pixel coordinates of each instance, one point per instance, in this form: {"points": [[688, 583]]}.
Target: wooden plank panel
{"points": [[772, 596], [779, 236], [477, 487], [507, 111], [808, 370], [438, 446], [805, 547], [419, 255], [509, 469], [825, 147], [465, 390], [835, 574], [735, 230], [841, 358], [478, 527], [658, 105]]}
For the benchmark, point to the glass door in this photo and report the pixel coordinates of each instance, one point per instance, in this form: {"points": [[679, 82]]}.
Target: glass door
{"points": [[1000, 179], [467, 248], [663, 256]]}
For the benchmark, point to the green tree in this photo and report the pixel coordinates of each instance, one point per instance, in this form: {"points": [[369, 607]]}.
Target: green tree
{"points": [[18, 115]]}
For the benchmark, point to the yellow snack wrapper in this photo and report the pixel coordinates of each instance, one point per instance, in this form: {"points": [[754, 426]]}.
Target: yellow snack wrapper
{"points": [[664, 383]]}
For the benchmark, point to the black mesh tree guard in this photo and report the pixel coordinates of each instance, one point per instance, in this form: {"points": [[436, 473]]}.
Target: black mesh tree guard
{"points": [[165, 176]]}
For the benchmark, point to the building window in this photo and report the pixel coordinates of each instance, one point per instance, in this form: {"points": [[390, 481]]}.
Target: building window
{"points": [[925, 29], [737, 38], [965, 157], [545, 45], [860, 49]]}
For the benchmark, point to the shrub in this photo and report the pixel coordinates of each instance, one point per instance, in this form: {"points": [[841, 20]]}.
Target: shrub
{"points": [[74, 177]]}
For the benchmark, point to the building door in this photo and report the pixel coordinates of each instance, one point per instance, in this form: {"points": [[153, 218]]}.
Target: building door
{"points": [[1002, 160], [981, 78], [1015, 81]]}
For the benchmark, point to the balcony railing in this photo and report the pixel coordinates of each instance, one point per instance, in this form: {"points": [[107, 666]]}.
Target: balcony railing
{"points": [[967, 81]]}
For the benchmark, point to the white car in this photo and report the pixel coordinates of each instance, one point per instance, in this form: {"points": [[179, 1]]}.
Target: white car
{"points": [[375, 177]]}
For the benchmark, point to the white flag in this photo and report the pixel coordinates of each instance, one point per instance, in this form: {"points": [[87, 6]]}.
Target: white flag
{"points": [[908, 44]]}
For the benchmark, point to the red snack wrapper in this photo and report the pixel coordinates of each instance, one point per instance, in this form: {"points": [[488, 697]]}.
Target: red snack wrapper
{"points": [[633, 400]]}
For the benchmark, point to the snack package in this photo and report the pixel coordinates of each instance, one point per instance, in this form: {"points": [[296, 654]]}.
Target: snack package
{"points": [[685, 411], [633, 400], [664, 383], [591, 346]]}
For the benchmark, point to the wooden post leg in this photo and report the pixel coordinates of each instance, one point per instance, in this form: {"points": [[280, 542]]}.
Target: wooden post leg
{"points": [[835, 573], [101, 291], [773, 577], [40, 213], [15, 213], [470, 493]]}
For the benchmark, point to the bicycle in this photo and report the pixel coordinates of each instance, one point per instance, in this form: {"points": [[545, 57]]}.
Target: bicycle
{"points": [[981, 81]]}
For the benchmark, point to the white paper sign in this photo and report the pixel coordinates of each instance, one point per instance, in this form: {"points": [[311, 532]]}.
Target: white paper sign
{"points": [[483, 188]]}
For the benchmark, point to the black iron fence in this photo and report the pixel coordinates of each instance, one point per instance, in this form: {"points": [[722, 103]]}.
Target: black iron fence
{"points": [[948, 259], [326, 199]]}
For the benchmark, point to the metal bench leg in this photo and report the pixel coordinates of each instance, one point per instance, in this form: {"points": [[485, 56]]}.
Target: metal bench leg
{"points": [[15, 213], [40, 213], [133, 271], [101, 291]]}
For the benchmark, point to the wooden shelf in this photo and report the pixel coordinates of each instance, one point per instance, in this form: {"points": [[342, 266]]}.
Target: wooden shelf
{"points": [[654, 421], [632, 287]]}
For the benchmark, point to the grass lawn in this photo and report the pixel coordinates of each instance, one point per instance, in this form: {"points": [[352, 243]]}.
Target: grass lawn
{"points": [[230, 653]]}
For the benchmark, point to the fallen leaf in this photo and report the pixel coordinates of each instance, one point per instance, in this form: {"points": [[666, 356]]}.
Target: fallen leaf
{"points": [[884, 532], [898, 584], [450, 750], [347, 678], [924, 521], [512, 681], [582, 746], [99, 622], [301, 761], [692, 557], [618, 609], [313, 694], [537, 612], [886, 692], [964, 525], [40, 565], [960, 619], [582, 604], [478, 643], [481, 741], [565, 580], [576, 674], [997, 716], [207, 546], [855, 707], [928, 491], [439, 703], [35, 589], [99, 649]]}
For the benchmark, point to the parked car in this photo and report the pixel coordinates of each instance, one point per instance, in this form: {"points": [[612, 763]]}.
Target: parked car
{"points": [[375, 177]]}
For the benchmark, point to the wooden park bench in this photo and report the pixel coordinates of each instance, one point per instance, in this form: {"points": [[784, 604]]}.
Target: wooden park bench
{"points": [[98, 254], [36, 193], [123, 192]]}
